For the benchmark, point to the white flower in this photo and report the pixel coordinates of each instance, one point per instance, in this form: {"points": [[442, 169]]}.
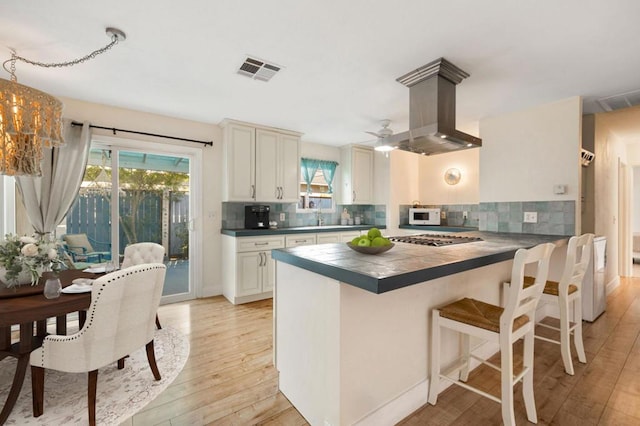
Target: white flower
{"points": [[30, 250], [52, 253], [28, 240]]}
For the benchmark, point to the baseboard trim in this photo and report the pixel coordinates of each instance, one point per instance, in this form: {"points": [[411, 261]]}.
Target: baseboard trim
{"points": [[415, 397], [613, 284]]}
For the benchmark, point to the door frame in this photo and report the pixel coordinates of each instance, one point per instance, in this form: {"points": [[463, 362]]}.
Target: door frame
{"points": [[195, 204], [624, 220]]}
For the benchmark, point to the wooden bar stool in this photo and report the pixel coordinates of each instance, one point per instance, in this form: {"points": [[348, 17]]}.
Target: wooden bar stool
{"points": [[503, 326], [567, 294]]}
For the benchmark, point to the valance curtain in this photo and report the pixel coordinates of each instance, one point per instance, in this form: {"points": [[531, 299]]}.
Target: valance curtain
{"points": [[309, 167], [48, 198], [328, 171]]}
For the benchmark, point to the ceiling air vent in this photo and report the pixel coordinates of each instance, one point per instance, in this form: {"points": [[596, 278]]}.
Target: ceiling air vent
{"points": [[624, 100], [258, 69]]}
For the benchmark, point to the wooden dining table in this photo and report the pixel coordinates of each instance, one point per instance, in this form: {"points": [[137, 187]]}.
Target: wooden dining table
{"points": [[27, 307]]}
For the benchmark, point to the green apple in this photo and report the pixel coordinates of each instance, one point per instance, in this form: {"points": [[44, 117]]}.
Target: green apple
{"points": [[378, 242], [364, 242], [356, 240], [373, 233]]}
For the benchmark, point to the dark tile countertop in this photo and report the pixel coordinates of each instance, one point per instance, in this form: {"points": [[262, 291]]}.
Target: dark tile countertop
{"points": [[298, 230], [407, 264]]}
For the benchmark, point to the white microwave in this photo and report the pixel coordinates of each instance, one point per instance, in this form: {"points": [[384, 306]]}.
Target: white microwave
{"points": [[424, 216]]}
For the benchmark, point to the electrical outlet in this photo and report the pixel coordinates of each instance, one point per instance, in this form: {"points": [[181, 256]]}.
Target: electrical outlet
{"points": [[443, 214], [282, 217], [465, 215], [530, 217]]}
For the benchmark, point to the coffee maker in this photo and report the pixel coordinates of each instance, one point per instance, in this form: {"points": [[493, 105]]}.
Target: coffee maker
{"points": [[256, 217]]}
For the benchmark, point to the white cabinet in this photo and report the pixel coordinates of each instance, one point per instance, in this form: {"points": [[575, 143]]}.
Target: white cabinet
{"points": [[261, 164], [295, 240], [248, 271], [357, 175], [337, 237]]}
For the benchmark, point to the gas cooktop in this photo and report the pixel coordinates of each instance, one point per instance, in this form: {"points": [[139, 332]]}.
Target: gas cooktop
{"points": [[435, 240]]}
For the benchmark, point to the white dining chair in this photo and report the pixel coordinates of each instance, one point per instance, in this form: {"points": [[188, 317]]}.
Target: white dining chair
{"points": [[141, 253], [502, 326], [566, 294], [120, 320]]}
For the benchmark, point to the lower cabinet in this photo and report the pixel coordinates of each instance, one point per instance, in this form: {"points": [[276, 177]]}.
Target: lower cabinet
{"points": [[248, 271]]}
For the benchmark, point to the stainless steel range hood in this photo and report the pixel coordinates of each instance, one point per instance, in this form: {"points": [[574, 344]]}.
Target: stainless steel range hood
{"points": [[432, 111]]}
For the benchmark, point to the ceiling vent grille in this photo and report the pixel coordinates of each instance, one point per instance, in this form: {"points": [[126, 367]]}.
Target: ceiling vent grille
{"points": [[624, 100], [258, 69]]}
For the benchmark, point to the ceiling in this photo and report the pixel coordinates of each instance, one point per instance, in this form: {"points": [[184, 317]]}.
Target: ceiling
{"points": [[339, 59]]}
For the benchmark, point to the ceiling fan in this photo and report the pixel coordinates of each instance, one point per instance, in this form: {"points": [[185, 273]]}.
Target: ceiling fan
{"points": [[382, 134]]}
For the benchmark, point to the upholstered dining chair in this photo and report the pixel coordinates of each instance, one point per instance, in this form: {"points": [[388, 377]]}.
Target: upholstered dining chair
{"points": [[140, 253], [501, 326], [132, 296]]}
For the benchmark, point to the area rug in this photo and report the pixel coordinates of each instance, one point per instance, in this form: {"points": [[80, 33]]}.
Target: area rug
{"points": [[121, 393]]}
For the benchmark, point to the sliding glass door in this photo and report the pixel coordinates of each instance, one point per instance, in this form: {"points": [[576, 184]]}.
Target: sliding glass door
{"points": [[149, 199]]}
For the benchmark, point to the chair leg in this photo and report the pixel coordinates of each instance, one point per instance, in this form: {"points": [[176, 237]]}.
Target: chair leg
{"points": [[577, 331], [37, 390], [121, 363], [527, 380], [91, 403], [506, 376], [465, 345], [151, 357], [565, 335], [434, 385], [158, 326]]}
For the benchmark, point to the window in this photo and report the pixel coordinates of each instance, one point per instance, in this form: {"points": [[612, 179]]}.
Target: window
{"points": [[316, 190]]}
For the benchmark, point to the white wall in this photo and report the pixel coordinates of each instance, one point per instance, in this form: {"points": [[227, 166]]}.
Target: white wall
{"points": [[404, 184], [433, 188], [525, 153], [207, 221], [636, 199]]}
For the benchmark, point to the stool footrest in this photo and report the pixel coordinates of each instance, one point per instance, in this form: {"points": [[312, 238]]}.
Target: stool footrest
{"points": [[472, 389]]}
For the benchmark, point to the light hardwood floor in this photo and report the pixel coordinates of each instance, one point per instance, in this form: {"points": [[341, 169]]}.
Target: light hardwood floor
{"points": [[229, 378]]}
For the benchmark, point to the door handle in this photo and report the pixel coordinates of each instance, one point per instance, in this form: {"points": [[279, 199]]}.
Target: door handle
{"points": [[253, 191]]}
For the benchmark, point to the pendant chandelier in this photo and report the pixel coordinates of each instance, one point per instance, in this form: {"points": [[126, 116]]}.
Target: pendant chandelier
{"points": [[30, 119]]}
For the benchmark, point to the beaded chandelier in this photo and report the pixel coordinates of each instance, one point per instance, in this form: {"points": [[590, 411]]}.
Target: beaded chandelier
{"points": [[31, 119]]}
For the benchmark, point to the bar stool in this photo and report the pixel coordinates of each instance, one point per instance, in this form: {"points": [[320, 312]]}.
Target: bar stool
{"points": [[503, 326], [565, 293]]}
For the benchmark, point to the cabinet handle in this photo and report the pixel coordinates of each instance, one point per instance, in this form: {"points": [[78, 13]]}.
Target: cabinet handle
{"points": [[260, 263], [263, 259], [253, 191], [301, 241], [280, 193], [354, 196], [260, 244]]}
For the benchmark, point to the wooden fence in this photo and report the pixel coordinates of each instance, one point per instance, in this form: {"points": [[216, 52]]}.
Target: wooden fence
{"points": [[141, 219]]}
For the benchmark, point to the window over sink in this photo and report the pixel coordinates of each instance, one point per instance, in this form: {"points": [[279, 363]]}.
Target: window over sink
{"points": [[316, 190]]}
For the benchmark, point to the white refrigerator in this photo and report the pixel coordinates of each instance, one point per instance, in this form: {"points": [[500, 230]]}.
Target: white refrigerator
{"points": [[594, 297]]}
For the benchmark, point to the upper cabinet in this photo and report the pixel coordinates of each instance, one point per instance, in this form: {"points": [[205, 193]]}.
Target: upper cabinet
{"points": [[357, 175], [261, 164]]}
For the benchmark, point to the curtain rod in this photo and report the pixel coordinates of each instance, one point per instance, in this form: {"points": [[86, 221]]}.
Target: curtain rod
{"points": [[114, 130]]}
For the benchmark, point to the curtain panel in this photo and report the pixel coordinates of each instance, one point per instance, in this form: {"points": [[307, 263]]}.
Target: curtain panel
{"points": [[48, 198]]}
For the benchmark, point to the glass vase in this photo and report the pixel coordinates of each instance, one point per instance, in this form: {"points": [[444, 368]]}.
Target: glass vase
{"points": [[52, 288]]}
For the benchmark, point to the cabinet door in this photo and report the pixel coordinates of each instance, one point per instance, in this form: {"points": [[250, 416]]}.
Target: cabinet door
{"points": [[268, 273], [362, 175], [240, 163], [300, 240], [289, 168], [249, 273], [266, 166]]}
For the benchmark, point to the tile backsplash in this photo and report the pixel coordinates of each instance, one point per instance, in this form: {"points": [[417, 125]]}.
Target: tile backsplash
{"points": [[554, 217], [233, 215]]}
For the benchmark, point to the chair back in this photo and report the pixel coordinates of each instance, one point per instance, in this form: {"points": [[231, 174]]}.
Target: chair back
{"points": [[78, 243], [120, 320], [139, 253], [521, 300], [578, 255]]}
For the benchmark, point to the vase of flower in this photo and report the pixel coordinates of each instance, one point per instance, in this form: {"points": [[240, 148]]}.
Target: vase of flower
{"points": [[22, 259]]}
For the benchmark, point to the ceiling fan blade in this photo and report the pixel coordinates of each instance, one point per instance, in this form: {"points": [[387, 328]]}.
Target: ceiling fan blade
{"points": [[374, 134]]}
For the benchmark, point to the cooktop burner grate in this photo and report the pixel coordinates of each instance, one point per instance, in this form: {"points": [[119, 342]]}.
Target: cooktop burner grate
{"points": [[435, 240]]}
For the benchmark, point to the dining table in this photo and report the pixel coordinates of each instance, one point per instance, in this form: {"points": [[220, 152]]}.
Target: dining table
{"points": [[26, 307]]}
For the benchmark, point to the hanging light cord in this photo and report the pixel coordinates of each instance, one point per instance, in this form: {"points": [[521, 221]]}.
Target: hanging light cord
{"points": [[116, 36]]}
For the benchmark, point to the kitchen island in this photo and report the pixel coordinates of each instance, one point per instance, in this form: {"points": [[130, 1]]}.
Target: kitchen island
{"points": [[352, 330]]}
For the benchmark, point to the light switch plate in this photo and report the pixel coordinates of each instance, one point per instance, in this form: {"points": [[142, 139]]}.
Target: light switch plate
{"points": [[530, 217], [282, 216]]}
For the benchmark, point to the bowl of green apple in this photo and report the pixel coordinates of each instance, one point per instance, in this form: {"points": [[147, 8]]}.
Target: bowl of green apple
{"points": [[371, 243]]}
